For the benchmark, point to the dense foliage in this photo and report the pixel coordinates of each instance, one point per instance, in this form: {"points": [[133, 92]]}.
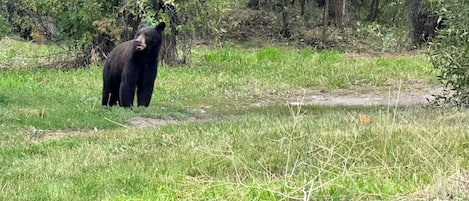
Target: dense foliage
{"points": [[424, 21], [449, 53], [91, 28], [4, 25]]}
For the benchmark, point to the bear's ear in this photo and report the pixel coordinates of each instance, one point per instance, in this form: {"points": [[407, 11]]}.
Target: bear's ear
{"points": [[160, 26]]}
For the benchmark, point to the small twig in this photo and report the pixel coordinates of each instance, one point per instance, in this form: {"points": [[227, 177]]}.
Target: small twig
{"points": [[42, 113], [117, 123], [397, 103]]}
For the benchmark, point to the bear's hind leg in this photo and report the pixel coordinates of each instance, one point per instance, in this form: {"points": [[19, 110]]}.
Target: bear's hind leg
{"points": [[113, 98], [110, 97], [110, 92]]}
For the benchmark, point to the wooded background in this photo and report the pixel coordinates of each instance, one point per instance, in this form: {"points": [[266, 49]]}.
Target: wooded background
{"points": [[89, 29], [91, 26]]}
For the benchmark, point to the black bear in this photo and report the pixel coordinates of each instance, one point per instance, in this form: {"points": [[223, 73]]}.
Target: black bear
{"points": [[132, 66]]}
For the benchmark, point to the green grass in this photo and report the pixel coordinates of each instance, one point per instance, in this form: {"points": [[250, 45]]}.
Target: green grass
{"points": [[14, 54], [58, 143]]}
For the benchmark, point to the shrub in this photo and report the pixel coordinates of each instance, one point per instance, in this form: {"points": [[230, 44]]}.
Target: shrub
{"points": [[449, 54], [4, 27], [91, 28]]}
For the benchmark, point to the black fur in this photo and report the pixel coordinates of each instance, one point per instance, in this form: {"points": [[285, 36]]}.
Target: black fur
{"points": [[130, 68]]}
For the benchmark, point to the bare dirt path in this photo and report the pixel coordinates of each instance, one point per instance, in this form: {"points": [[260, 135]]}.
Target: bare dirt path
{"points": [[418, 93], [407, 97], [358, 97], [355, 98]]}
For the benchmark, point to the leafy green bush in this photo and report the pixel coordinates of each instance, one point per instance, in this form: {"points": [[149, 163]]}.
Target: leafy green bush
{"points": [[4, 26], [90, 28], [449, 54], [377, 37]]}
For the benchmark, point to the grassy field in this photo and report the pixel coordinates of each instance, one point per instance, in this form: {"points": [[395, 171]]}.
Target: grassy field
{"points": [[58, 143]]}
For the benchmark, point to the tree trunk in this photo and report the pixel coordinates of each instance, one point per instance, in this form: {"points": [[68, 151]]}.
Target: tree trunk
{"points": [[286, 32], [424, 22], [337, 12], [325, 20], [254, 4], [169, 53], [325, 17], [302, 5], [374, 11]]}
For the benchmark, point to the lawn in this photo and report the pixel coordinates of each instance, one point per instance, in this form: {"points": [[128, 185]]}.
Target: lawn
{"points": [[215, 143]]}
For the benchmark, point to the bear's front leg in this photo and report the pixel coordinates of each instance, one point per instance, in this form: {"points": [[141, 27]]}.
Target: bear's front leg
{"points": [[126, 95], [127, 91], [144, 96], [145, 87]]}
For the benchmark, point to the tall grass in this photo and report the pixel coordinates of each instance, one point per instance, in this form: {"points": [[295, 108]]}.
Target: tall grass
{"points": [[291, 153], [58, 143], [15, 54], [228, 76], [291, 68]]}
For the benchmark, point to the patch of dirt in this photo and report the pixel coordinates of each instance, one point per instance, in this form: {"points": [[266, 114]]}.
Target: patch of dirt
{"points": [[197, 115], [142, 122], [38, 136], [410, 53], [418, 95], [348, 98], [414, 96]]}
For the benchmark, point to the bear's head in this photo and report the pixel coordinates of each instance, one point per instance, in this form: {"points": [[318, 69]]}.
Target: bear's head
{"points": [[148, 37]]}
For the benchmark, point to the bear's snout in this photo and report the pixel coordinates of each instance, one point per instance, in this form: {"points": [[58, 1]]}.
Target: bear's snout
{"points": [[140, 42]]}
